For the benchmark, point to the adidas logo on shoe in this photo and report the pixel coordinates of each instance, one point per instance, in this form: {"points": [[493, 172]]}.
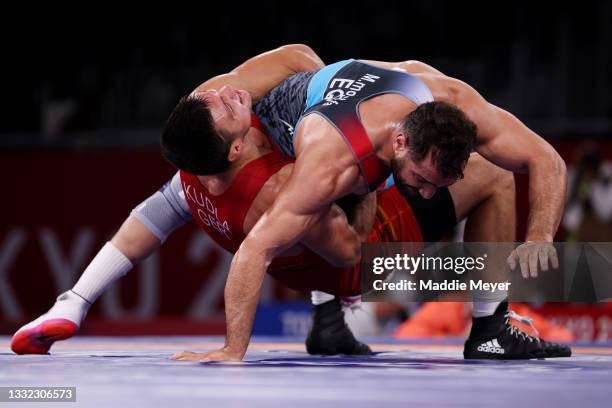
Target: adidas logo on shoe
{"points": [[491, 346]]}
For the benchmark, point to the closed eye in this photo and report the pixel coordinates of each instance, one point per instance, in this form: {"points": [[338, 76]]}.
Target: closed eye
{"points": [[229, 109], [421, 179], [405, 188]]}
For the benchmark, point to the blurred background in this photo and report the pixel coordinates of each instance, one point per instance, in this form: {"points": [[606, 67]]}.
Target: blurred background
{"points": [[87, 91]]}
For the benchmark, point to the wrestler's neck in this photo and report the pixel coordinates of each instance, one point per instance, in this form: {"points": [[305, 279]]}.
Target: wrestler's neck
{"points": [[255, 145]]}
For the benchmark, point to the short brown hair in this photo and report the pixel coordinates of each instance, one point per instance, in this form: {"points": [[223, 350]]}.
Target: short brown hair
{"points": [[444, 130]]}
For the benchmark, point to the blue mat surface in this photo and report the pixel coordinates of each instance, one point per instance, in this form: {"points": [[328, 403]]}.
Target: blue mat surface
{"points": [[136, 371]]}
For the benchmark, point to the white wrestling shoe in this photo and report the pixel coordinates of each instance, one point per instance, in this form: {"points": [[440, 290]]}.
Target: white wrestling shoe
{"points": [[61, 322]]}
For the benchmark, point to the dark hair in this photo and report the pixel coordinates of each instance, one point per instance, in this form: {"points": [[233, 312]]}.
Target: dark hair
{"points": [[190, 142], [444, 130]]}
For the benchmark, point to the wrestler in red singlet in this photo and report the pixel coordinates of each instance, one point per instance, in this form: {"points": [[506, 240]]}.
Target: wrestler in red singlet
{"points": [[222, 218]]}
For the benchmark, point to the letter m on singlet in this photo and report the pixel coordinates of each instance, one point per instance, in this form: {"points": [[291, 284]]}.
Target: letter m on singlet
{"points": [[370, 78]]}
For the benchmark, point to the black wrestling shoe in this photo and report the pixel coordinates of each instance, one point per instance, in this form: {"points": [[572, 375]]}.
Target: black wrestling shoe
{"points": [[493, 337], [329, 333]]}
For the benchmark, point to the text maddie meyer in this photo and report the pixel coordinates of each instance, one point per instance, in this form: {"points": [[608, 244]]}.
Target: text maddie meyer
{"points": [[446, 286]]}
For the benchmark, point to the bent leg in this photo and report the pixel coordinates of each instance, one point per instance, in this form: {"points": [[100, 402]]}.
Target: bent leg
{"points": [[486, 196]]}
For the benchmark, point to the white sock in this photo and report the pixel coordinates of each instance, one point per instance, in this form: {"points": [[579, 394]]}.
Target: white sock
{"points": [[108, 265], [318, 297], [482, 309], [485, 302], [68, 306]]}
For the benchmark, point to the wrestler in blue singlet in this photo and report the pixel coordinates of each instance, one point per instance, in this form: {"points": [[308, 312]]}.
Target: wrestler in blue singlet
{"points": [[335, 93], [342, 84]]}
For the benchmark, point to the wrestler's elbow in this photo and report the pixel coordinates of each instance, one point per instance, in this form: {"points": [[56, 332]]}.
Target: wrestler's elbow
{"points": [[560, 166], [301, 57], [549, 160], [350, 253], [353, 256], [355, 249], [255, 254], [298, 48], [560, 172], [353, 259]]}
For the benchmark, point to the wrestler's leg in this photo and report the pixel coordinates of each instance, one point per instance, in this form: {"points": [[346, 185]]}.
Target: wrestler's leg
{"points": [[486, 197], [141, 233], [329, 333]]}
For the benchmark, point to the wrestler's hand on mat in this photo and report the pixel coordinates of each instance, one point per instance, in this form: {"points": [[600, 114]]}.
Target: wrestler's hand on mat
{"points": [[216, 355], [528, 255]]}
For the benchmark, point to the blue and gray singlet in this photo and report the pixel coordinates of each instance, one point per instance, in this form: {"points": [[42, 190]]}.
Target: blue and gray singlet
{"points": [[335, 93]]}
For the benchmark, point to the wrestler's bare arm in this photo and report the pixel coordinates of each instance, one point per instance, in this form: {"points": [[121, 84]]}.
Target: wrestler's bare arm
{"points": [[263, 72], [257, 75], [362, 216], [300, 204], [411, 66], [334, 237], [506, 141]]}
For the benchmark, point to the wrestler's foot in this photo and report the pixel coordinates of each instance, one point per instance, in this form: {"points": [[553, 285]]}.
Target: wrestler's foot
{"points": [[329, 333], [61, 322], [493, 337]]}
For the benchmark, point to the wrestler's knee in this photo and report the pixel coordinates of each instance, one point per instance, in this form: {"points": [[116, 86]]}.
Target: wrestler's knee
{"points": [[489, 177], [500, 177], [503, 181]]}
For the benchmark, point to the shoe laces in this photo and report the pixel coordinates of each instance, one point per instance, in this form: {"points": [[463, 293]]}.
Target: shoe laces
{"points": [[352, 303], [515, 331], [353, 307]]}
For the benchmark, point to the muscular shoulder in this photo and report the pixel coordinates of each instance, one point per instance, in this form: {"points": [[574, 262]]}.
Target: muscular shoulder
{"points": [[419, 67], [448, 89], [319, 139], [325, 161], [443, 87]]}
